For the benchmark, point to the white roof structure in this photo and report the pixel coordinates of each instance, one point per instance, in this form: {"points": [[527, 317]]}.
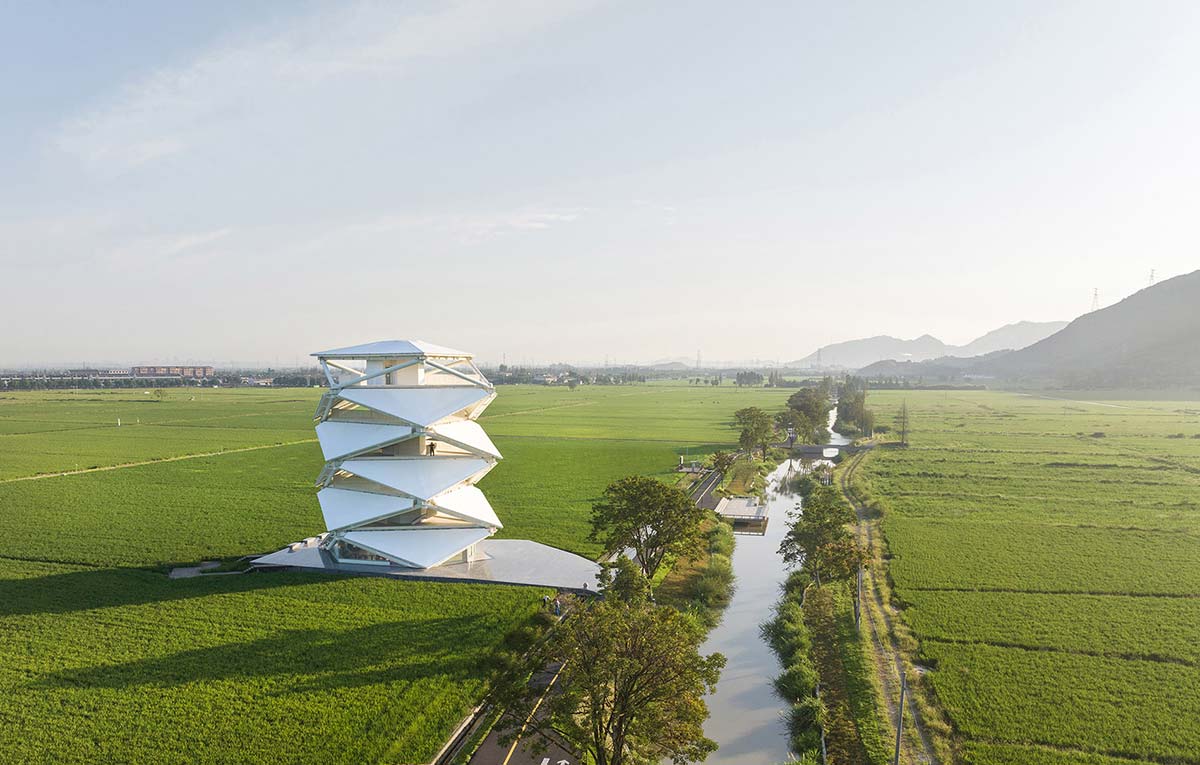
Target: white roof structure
{"points": [[392, 349], [403, 453]]}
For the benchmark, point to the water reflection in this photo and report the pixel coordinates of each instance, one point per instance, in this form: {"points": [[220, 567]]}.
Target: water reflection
{"points": [[747, 718]]}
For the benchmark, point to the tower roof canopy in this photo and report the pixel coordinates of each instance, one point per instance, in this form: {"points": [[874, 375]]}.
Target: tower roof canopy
{"points": [[392, 349]]}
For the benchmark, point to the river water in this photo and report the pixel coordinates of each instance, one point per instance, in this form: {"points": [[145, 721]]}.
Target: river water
{"points": [[746, 717]]}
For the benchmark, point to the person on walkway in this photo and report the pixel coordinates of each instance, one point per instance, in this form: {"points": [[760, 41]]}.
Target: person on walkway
{"points": [[431, 449], [546, 602], [557, 608]]}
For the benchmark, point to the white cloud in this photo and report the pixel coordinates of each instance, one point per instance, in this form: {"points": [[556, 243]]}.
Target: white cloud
{"points": [[171, 109]]}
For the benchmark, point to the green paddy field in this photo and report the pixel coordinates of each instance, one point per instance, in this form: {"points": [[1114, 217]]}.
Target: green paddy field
{"points": [[104, 659], [1047, 552]]}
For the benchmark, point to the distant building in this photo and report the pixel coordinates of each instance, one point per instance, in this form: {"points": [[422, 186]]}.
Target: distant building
{"points": [[191, 373]]}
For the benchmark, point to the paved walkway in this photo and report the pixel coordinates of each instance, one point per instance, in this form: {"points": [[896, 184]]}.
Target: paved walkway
{"points": [[492, 752], [703, 495]]}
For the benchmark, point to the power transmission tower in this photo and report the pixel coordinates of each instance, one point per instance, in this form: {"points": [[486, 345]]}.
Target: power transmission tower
{"points": [[1095, 298], [1151, 277], [697, 359]]}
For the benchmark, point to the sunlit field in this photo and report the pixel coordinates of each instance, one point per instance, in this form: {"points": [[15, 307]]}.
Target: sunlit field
{"points": [[102, 658], [1048, 555]]}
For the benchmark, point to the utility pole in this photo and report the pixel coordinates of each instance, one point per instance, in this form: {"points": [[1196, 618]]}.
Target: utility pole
{"points": [[900, 716]]}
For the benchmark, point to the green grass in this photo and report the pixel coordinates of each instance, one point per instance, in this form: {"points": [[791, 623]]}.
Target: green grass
{"points": [[1048, 555], [104, 659], [121, 665]]}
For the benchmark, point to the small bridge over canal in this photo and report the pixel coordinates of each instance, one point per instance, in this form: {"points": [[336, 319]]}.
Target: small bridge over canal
{"points": [[819, 450]]}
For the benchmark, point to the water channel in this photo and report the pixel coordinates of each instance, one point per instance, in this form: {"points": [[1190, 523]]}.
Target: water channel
{"points": [[746, 717]]}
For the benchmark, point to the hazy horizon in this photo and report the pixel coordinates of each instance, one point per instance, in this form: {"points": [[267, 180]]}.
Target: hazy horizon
{"points": [[570, 181]]}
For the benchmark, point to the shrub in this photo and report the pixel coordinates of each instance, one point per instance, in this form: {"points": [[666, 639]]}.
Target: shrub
{"points": [[720, 539], [804, 723], [797, 681], [714, 587]]}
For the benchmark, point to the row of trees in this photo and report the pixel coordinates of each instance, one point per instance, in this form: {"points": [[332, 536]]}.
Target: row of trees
{"points": [[806, 416], [743, 379]]}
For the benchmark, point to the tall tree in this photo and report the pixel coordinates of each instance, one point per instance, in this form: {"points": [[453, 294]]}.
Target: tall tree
{"points": [[839, 559], [630, 689], [756, 426], [653, 519], [813, 403], [902, 422], [722, 460], [822, 520]]}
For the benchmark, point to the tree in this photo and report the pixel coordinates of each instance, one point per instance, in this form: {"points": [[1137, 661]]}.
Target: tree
{"points": [[839, 559], [630, 689], [813, 403], [572, 383], [756, 426], [722, 461], [822, 520], [653, 519], [902, 422], [623, 580]]}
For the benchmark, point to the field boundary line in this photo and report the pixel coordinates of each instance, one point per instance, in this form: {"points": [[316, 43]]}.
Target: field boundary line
{"points": [[159, 461], [1097, 593], [1157, 659], [1133, 759]]}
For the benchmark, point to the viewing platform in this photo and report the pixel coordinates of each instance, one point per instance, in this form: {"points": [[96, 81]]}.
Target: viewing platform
{"points": [[748, 514]]}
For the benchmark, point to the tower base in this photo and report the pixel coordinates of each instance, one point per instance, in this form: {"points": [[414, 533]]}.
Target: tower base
{"points": [[500, 561]]}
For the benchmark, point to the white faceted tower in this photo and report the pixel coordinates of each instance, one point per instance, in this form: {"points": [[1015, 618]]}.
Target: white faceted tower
{"points": [[403, 452]]}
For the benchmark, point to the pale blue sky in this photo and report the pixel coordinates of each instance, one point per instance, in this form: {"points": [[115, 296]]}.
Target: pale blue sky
{"points": [[562, 180]]}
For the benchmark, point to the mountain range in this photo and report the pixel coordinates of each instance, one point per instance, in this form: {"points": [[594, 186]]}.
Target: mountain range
{"points": [[1151, 339], [855, 354]]}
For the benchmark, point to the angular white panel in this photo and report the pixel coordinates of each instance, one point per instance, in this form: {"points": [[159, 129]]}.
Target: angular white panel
{"points": [[469, 434], [423, 477], [420, 406], [419, 548], [392, 349], [469, 504], [343, 508], [339, 439]]}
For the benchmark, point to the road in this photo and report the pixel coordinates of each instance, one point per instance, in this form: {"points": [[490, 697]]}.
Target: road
{"points": [[492, 752], [702, 495]]}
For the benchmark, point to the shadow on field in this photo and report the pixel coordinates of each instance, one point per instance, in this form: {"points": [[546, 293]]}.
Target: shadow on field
{"points": [[311, 659], [105, 588]]}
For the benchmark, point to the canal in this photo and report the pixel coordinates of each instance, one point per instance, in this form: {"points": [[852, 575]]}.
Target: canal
{"points": [[746, 717]]}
